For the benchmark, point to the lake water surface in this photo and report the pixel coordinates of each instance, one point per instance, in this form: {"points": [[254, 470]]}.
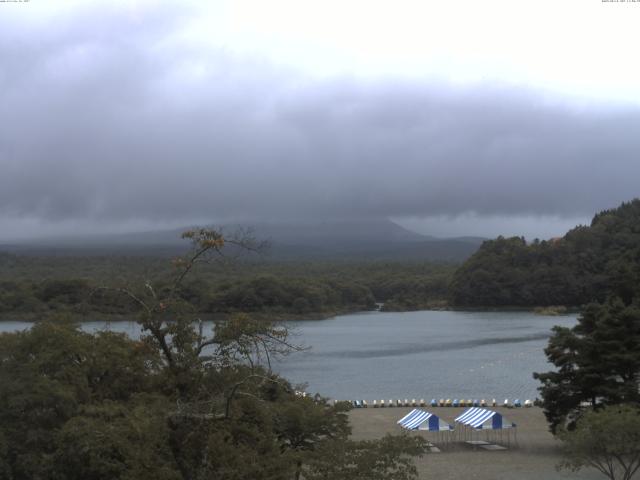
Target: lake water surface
{"points": [[427, 354]]}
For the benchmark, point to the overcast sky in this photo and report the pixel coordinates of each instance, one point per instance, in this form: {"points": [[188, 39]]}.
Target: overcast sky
{"points": [[452, 118]]}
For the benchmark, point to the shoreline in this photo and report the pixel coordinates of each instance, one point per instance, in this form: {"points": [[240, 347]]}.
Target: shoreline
{"points": [[292, 317]]}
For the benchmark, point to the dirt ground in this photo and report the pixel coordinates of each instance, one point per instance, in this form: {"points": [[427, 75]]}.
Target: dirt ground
{"points": [[533, 457]]}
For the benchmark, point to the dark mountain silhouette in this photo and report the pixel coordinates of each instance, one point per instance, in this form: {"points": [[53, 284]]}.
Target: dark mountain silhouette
{"points": [[325, 240]]}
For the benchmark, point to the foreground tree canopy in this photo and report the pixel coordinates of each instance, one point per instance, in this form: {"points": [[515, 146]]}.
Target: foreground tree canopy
{"points": [[180, 403], [607, 440], [598, 362], [588, 264]]}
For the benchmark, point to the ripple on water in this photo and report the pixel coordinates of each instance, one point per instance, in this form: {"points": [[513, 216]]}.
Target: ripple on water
{"points": [[424, 354]]}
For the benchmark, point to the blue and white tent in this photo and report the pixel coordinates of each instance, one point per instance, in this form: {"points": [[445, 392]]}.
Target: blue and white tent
{"points": [[482, 419], [475, 420], [418, 419]]}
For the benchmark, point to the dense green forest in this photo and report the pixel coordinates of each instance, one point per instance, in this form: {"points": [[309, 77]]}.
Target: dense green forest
{"points": [[183, 402], [35, 286], [588, 264]]}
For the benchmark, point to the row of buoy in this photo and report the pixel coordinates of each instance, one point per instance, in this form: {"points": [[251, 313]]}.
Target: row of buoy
{"points": [[441, 403]]}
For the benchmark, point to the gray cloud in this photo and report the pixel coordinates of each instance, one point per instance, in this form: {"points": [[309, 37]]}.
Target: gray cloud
{"points": [[116, 118]]}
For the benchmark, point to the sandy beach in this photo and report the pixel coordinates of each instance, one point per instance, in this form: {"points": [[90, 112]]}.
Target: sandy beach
{"points": [[533, 457]]}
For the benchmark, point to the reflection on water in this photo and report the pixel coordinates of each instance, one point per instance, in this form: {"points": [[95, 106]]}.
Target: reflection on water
{"points": [[423, 354], [410, 355], [410, 349]]}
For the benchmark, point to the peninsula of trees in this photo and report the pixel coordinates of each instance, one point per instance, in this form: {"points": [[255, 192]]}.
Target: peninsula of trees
{"points": [[588, 264]]}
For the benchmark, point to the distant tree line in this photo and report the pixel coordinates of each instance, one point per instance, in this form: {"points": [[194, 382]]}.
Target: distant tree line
{"points": [[264, 293], [33, 287]]}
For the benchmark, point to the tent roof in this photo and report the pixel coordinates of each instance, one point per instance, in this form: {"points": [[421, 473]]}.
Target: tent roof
{"points": [[479, 417], [416, 417]]}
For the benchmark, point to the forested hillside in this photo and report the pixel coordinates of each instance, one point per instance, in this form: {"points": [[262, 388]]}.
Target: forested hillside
{"points": [[587, 264]]}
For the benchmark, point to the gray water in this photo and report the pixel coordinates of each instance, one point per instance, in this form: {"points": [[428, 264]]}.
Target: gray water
{"points": [[428, 354]]}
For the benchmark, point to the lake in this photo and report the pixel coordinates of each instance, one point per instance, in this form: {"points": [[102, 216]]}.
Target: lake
{"points": [[426, 354]]}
